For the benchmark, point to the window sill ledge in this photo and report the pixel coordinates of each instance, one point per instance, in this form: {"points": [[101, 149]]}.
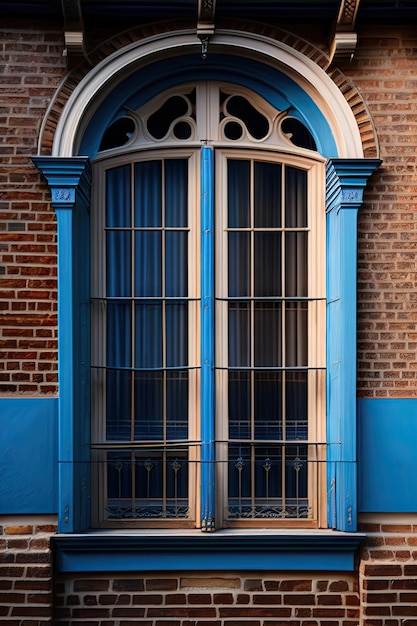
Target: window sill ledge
{"points": [[193, 550]]}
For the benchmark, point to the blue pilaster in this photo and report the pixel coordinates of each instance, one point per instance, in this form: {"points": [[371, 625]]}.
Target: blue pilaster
{"points": [[69, 180], [346, 181], [207, 341]]}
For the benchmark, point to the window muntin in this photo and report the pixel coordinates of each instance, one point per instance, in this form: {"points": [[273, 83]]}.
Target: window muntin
{"points": [[270, 366], [269, 328], [144, 349]]}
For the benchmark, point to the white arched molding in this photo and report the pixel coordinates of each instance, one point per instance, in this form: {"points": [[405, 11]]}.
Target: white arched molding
{"points": [[105, 77]]}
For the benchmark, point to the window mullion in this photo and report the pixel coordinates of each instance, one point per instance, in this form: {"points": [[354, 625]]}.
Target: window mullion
{"points": [[132, 301], [252, 332], [132, 331], [163, 344], [207, 341], [283, 341]]}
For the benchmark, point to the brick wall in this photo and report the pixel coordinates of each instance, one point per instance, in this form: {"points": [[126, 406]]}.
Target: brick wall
{"points": [[214, 599], [388, 571], [25, 571], [32, 66], [381, 592], [384, 69]]}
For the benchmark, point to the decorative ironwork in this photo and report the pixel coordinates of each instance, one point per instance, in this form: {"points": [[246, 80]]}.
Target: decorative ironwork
{"points": [[118, 511], [296, 511], [145, 497], [264, 502]]}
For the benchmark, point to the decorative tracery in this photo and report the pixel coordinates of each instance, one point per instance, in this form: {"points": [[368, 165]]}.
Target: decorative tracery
{"points": [[181, 115]]}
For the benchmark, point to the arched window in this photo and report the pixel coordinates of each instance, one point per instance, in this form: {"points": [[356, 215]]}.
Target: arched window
{"points": [[208, 349], [204, 380]]}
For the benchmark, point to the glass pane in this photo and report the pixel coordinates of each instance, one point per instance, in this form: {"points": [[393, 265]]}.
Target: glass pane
{"points": [[295, 198], [149, 473], [176, 318], [296, 264], [148, 278], [148, 194], [177, 482], [152, 472], [256, 123], [296, 421], [149, 396], [268, 480], [118, 213], [118, 404], [268, 405], [118, 264], [268, 264], [267, 195], [240, 469], [119, 334], [239, 334], [239, 264], [148, 335], [176, 192], [238, 193], [239, 404], [176, 264], [119, 477], [296, 340], [268, 334], [177, 405], [296, 481]]}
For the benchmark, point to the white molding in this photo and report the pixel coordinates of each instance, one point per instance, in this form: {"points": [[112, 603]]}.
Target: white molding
{"points": [[103, 78]]}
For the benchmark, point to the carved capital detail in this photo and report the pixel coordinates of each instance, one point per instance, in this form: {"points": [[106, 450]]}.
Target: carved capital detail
{"points": [[62, 194]]}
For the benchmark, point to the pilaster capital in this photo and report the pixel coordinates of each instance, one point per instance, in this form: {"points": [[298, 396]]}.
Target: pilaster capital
{"points": [[346, 180], [69, 179]]}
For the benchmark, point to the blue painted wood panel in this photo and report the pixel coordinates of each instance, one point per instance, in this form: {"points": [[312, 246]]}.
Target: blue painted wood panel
{"points": [[387, 448], [28, 455]]}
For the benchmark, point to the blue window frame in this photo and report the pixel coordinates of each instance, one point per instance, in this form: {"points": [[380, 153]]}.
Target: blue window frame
{"points": [[69, 179]]}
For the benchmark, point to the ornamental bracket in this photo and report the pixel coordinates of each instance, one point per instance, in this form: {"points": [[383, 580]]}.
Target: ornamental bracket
{"points": [[205, 23], [73, 29], [343, 44]]}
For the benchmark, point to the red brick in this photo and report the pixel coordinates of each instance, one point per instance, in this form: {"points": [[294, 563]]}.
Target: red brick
{"points": [[405, 610], [12, 598], [175, 598], [223, 598], [384, 570], [89, 613], [249, 623], [19, 530], [296, 585], [11, 571], [253, 585], [199, 598], [267, 598], [242, 598], [329, 599], [339, 585], [147, 599], [381, 598], [299, 599], [91, 585], [265, 611], [162, 584]]}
